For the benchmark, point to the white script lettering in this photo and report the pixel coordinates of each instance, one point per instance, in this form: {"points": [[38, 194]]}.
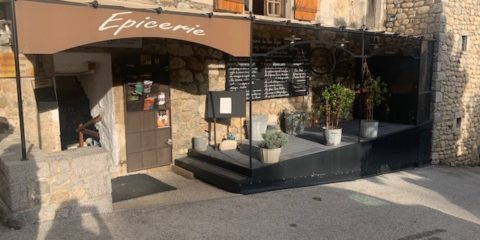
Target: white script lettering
{"points": [[119, 24]]}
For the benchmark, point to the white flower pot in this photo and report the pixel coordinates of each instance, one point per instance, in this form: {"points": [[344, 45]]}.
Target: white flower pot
{"points": [[270, 156], [333, 137], [200, 143], [259, 127], [368, 129]]}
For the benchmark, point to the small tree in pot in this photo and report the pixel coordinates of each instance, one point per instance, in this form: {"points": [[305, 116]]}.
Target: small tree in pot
{"points": [[337, 102], [271, 147], [374, 92]]}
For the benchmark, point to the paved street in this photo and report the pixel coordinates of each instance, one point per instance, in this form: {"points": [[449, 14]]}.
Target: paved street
{"points": [[429, 203]]}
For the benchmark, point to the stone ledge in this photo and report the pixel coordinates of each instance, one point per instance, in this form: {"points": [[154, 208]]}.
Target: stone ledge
{"points": [[62, 184]]}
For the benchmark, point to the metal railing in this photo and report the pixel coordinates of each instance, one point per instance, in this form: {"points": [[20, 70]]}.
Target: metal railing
{"points": [[83, 130]]}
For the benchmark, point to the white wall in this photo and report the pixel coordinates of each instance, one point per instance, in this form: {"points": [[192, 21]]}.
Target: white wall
{"points": [[98, 87], [351, 13]]}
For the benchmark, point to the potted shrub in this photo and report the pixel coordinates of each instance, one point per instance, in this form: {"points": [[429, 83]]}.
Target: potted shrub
{"points": [[293, 122], [271, 147], [337, 101], [374, 92]]}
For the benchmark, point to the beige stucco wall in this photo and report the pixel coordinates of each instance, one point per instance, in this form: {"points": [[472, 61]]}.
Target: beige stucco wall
{"points": [[201, 5], [349, 13]]}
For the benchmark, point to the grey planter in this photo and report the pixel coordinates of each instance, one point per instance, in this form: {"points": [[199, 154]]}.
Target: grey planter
{"points": [[368, 129], [294, 123], [333, 137]]}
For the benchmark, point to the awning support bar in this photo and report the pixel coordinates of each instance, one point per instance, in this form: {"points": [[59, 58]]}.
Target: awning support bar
{"points": [[18, 82]]}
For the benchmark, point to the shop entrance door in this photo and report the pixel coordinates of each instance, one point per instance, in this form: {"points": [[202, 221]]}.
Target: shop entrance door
{"points": [[147, 123]]}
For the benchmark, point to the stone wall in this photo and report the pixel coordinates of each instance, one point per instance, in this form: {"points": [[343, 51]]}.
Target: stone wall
{"points": [[413, 17], [195, 70], [40, 119], [456, 74], [49, 186]]}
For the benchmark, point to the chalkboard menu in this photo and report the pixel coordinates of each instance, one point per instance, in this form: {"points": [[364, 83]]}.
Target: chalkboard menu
{"points": [[284, 74]]}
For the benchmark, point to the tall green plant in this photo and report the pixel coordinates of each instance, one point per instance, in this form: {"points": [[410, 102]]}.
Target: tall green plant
{"points": [[374, 92], [337, 101]]}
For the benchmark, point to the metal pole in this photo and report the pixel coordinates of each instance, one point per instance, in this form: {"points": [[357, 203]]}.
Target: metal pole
{"points": [[250, 78], [361, 85], [19, 86]]}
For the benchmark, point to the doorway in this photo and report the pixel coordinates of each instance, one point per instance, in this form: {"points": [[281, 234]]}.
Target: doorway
{"points": [[73, 109], [147, 105]]}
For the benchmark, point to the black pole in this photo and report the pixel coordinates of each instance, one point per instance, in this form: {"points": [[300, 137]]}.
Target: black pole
{"points": [[19, 86], [361, 86], [250, 141]]}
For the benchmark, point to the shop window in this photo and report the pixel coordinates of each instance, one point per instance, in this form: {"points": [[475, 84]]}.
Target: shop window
{"points": [[464, 43], [274, 8], [376, 14], [458, 123]]}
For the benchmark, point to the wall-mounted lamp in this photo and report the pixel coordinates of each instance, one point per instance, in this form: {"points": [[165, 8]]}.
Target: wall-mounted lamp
{"points": [[94, 4]]}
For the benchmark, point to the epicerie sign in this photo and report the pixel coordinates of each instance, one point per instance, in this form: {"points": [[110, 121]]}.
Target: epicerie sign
{"points": [[120, 22]]}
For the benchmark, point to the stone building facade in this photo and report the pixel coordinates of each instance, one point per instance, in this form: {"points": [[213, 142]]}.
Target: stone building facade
{"points": [[199, 69], [456, 78]]}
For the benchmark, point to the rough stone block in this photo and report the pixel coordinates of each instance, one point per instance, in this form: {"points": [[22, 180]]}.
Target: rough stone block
{"points": [[60, 196], [19, 199], [98, 185]]}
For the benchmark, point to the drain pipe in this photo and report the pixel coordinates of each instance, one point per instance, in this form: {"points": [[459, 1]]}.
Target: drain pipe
{"points": [[19, 86]]}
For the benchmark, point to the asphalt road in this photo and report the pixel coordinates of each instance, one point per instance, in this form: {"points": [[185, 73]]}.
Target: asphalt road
{"points": [[431, 203]]}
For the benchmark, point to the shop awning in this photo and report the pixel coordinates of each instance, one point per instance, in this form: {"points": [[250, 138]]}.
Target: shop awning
{"points": [[47, 28]]}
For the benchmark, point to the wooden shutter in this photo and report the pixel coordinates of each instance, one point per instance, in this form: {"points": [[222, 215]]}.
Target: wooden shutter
{"points": [[235, 6], [305, 9]]}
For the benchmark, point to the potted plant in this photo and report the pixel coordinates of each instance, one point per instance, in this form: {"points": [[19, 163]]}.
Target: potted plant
{"points": [[337, 100], [374, 92], [293, 122], [271, 147]]}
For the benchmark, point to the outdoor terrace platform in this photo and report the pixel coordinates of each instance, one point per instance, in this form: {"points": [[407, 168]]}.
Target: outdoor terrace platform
{"points": [[305, 160]]}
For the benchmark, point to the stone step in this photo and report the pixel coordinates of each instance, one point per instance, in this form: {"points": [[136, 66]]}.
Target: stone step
{"points": [[213, 174]]}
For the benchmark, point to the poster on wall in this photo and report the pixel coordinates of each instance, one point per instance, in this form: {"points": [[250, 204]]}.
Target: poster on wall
{"points": [[163, 118]]}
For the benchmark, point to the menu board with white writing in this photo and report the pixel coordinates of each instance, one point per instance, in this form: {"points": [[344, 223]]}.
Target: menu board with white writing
{"points": [[281, 75]]}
